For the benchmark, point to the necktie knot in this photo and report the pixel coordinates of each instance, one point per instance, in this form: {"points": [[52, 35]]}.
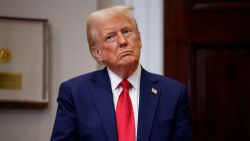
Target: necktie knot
{"points": [[125, 84]]}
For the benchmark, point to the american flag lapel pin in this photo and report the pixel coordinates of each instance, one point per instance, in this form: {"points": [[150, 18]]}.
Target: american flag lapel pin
{"points": [[154, 90]]}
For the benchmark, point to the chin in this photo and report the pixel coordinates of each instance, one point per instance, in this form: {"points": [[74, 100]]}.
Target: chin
{"points": [[129, 62]]}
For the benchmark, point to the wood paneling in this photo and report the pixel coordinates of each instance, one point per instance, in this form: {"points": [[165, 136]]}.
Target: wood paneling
{"points": [[221, 92], [207, 46]]}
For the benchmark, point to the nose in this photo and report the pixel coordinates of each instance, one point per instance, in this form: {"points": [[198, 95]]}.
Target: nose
{"points": [[122, 41]]}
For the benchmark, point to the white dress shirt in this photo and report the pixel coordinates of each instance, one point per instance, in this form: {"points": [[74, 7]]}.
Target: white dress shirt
{"points": [[134, 91]]}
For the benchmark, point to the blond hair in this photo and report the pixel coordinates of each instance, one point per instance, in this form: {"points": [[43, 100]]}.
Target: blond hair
{"points": [[126, 10]]}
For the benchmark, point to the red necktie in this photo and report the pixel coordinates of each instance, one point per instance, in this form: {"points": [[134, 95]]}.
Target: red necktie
{"points": [[125, 115]]}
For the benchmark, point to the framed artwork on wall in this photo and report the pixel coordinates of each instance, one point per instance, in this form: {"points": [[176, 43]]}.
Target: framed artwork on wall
{"points": [[24, 63]]}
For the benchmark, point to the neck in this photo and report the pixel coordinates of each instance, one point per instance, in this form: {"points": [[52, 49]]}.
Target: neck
{"points": [[124, 73]]}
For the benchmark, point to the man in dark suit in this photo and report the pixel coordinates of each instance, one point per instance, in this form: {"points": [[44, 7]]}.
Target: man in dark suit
{"points": [[122, 102]]}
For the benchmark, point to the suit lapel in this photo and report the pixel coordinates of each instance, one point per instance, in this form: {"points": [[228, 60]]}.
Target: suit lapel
{"points": [[102, 96], [149, 95]]}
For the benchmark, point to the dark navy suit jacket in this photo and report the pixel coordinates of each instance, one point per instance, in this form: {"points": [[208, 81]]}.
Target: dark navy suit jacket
{"points": [[86, 109]]}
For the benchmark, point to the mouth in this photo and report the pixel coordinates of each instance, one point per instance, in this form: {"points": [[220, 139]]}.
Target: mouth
{"points": [[125, 53]]}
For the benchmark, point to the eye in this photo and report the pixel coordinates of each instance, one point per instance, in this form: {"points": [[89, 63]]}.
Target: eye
{"points": [[110, 38], [126, 32]]}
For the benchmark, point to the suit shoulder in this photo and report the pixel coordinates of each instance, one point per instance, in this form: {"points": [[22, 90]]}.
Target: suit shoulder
{"points": [[167, 81], [81, 79], [170, 88]]}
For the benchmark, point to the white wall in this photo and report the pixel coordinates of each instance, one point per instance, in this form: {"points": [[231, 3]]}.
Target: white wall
{"points": [[149, 15], [70, 57], [107, 3]]}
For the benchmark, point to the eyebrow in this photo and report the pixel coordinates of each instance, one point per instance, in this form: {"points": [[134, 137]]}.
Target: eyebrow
{"points": [[109, 33]]}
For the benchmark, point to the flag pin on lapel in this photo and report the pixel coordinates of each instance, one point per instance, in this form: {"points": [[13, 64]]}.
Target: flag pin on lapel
{"points": [[154, 90]]}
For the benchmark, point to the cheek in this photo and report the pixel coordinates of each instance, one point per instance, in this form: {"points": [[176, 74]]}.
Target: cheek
{"points": [[140, 45], [109, 51], [136, 42], [137, 45]]}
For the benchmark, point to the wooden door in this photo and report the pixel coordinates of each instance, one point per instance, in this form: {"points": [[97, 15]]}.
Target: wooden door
{"points": [[207, 46]]}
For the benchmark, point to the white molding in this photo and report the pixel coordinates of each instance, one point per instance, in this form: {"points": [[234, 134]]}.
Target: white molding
{"points": [[149, 15]]}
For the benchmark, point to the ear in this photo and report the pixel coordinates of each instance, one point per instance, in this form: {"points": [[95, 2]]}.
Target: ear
{"points": [[140, 44], [139, 38], [138, 34], [96, 53]]}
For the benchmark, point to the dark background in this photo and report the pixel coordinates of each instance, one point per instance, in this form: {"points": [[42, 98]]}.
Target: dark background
{"points": [[207, 46]]}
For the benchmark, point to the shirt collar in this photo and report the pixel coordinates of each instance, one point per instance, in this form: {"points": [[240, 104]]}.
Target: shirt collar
{"points": [[134, 79]]}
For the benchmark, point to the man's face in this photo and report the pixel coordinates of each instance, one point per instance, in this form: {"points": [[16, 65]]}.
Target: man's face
{"points": [[118, 43]]}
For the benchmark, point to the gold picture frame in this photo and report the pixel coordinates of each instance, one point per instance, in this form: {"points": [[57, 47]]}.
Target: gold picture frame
{"points": [[24, 63]]}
